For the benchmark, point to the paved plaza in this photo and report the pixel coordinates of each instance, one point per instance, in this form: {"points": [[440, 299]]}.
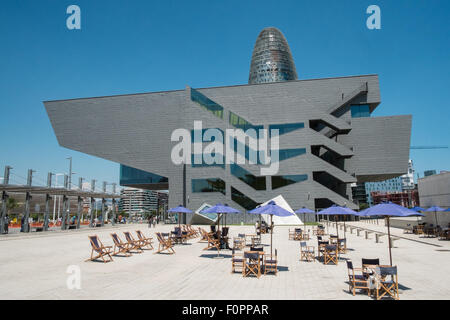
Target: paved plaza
{"points": [[34, 266]]}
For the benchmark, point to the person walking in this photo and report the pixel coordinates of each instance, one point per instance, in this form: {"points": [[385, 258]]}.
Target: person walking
{"points": [[6, 224], [154, 222], [150, 221]]}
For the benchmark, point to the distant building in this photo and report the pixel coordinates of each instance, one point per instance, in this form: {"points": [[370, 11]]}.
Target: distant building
{"points": [[384, 187], [136, 201], [408, 178], [434, 190], [428, 173], [395, 185], [359, 193], [407, 198]]}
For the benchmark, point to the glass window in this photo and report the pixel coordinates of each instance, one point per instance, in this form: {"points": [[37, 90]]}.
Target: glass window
{"points": [[285, 128], [129, 175], [242, 199], [239, 122], [289, 153], [257, 183], [204, 164], [208, 185], [360, 110], [281, 181], [207, 103]]}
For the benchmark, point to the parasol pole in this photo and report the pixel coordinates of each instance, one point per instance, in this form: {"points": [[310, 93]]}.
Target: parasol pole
{"points": [[389, 241], [271, 235]]}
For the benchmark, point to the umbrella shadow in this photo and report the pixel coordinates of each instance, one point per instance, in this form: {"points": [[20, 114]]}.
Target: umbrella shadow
{"points": [[215, 255]]}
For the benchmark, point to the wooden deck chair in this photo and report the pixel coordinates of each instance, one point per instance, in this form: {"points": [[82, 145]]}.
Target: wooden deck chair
{"points": [[146, 241], [204, 235], [212, 243], [237, 261], [164, 244], [195, 232], [101, 250], [271, 263], [387, 287], [134, 244], [252, 264], [331, 254], [120, 246]]}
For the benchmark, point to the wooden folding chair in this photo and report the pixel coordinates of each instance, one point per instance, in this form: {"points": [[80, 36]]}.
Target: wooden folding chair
{"points": [[239, 242], [321, 247], [212, 242], [101, 250], [204, 235], [252, 264], [291, 234], [356, 281], [134, 244], [237, 261], [164, 244], [306, 252], [120, 246], [331, 254], [271, 263], [146, 241], [387, 287]]}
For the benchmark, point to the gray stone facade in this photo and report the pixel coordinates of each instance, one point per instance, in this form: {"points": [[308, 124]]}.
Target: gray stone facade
{"points": [[135, 130]]}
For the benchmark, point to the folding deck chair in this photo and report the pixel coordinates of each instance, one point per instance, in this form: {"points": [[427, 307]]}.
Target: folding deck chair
{"points": [[134, 244], [164, 244], [120, 246], [146, 241], [101, 250]]}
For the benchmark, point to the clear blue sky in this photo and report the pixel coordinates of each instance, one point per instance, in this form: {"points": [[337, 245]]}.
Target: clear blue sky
{"points": [[140, 46]]}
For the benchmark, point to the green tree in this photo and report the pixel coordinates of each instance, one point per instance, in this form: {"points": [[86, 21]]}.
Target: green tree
{"points": [[12, 203]]}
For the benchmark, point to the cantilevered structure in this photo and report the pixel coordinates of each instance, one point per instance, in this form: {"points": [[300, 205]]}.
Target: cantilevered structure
{"points": [[327, 138]]}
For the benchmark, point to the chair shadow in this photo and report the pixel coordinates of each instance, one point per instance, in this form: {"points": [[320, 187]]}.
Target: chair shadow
{"points": [[282, 268], [215, 255]]}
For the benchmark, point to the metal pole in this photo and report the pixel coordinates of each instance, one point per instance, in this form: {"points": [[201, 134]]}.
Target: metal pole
{"points": [[4, 211], [70, 171], [79, 212], [47, 211], [91, 222], [26, 226], [113, 222], [102, 220], [4, 228]]}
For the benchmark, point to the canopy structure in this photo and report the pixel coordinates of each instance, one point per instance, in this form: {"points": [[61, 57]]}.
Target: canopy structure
{"points": [[279, 221], [204, 218]]}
